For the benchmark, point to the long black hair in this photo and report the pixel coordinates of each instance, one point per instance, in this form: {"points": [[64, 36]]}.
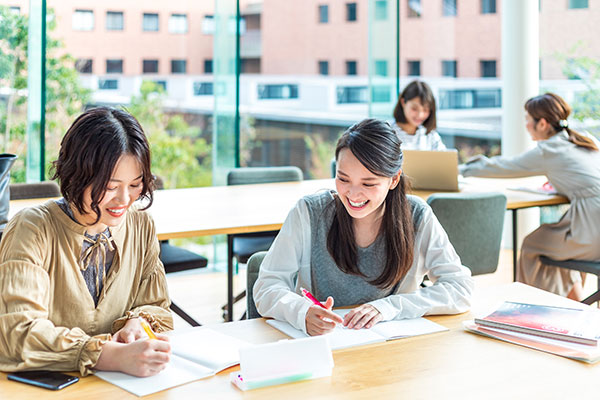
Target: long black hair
{"points": [[375, 144], [90, 150], [422, 91]]}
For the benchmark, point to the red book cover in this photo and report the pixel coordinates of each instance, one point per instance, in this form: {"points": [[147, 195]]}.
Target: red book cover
{"points": [[580, 326]]}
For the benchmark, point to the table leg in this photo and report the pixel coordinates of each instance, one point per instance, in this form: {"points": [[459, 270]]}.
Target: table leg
{"points": [[515, 243], [229, 277]]}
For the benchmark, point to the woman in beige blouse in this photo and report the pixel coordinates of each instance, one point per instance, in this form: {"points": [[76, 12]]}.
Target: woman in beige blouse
{"points": [[78, 275]]}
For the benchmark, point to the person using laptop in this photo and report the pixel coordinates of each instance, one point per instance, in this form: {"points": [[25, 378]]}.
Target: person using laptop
{"points": [[571, 162], [368, 244], [415, 118]]}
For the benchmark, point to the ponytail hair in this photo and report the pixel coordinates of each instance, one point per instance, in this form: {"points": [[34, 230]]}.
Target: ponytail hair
{"points": [[375, 144], [555, 111]]}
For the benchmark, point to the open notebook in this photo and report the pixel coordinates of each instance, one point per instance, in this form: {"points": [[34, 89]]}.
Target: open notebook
{"points": [[342, 337], [196, 353]]}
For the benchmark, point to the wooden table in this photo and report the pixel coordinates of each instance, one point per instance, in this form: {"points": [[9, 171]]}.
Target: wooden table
{"points": [[217, 210], [446, 365]]}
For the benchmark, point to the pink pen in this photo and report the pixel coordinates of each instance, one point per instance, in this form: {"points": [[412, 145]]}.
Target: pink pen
{"points": [[312, 298]]}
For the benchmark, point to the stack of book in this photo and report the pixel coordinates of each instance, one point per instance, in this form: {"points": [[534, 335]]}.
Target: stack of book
{"points": [[568, 332]]}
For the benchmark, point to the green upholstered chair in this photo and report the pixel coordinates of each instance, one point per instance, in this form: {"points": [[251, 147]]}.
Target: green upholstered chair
{"points": [[591, 267], [473, 222], [251, 277], [242, 246]]}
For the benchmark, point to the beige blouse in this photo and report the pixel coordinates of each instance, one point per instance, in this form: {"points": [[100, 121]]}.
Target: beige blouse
{"points": [[47, 316]]}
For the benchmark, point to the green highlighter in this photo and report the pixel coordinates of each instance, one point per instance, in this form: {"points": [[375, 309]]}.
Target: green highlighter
{"points": [[238, 380]]}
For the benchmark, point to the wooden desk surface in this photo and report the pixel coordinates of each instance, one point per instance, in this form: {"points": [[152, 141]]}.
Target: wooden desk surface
{"points": [[216, 210], [445, 365]]}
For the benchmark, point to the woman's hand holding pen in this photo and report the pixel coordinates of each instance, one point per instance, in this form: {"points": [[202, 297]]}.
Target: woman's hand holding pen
{"points": [[321, 320], [130, 332], [364, 316], [139, 357]]}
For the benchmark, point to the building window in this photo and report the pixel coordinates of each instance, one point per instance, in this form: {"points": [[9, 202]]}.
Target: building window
{"points": [[277, 92], [488, 68], [83, 20], [350, 11], [381, 67], [15, 10], [449, 8], [108, 84], [414, 8], [84, 65], [162, 85], [352, 94], [470, 98], [381, 94], [381, 10], [114, 21], [323, 67], [203, 89], [578, 4], [449, 68], [414, 68], [208, 25], [114, 66], [208, 66], [350, 67], [488, 6], [323, 13], [150, 66], [178, 66], [150, 22], [178, 23]]}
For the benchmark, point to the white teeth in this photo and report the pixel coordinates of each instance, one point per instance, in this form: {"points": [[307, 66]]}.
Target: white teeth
{"points": [[119, 211], [353, 204]]}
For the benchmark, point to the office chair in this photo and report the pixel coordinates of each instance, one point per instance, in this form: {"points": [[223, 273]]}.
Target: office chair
{"points": [[252, 275], [246, 244], [591, 267], [473, 222], [177, 259]]}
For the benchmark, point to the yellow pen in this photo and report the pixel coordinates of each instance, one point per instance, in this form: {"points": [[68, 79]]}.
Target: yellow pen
{"points": [[148, 330]]}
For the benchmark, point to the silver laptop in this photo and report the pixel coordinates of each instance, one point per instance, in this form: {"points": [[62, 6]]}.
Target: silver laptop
{"points": [[431, 170]]}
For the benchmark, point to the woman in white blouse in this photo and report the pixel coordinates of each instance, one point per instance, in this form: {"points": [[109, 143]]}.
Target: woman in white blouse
{"points": [[415, 118], [571, 162], [365, 244]]}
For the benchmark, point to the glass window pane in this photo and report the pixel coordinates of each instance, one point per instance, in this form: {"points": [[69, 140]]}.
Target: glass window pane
{"points": [[178, 23], [84, 65], [381, 67], [150, 66], [150, 22], [488, 68], [351, 68], [381, 10], [208, 66], [488, 6], [108, 84], [414, 8], [178, 66], [449, 8], [350, 11], [449, 68], [414, 68], [578, 3], [323, 67], [83, 20], [323, 13], [114, 66], [114, 21]]}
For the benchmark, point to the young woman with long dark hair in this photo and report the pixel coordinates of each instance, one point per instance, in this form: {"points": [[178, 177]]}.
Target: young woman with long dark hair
{"points": [[366, 244], [571, 162], [74, 271]]}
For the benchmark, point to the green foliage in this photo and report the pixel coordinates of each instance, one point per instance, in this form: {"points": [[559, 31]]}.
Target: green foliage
{"points": [[586, 105], [179, 155], [322, 153], [65, 97]]}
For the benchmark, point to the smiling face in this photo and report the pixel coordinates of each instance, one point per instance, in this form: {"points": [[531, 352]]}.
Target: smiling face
{"points": [[362, 192], [415, 112], [125, 187]]}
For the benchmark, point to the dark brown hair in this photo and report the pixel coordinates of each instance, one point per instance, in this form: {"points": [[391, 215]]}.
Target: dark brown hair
{"points": [[90, 150], [423, 92], [555, 111], [375, 144]]}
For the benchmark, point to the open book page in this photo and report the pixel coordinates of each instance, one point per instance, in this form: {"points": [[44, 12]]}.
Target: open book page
{"points": [[207, 347], [576, 351], [340, 338], [401, 328], [178, 372]]}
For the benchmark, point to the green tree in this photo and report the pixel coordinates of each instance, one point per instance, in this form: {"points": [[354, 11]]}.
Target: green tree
{"points": [[65, 95], [180, 157]]}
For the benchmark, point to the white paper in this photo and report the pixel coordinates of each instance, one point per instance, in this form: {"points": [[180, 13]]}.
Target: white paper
{"points": [[342, 337], [196, 353]]}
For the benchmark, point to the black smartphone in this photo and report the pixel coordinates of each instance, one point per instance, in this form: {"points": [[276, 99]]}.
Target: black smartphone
{"points": [[46, 379]]}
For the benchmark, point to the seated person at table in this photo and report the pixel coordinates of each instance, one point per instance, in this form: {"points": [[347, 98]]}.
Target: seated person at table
{"points": [[571, 162], [415, 119], [75, 270], [366, 244]]}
